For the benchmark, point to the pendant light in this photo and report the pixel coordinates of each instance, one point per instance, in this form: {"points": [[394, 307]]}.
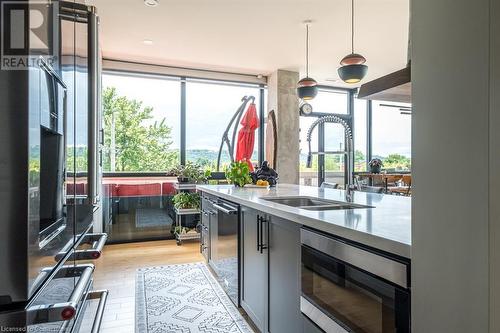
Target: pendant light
{"points": [[352, 68], [307, 88]]}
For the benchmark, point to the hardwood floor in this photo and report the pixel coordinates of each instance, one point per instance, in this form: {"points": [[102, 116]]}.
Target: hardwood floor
{"points": [[116, 270]]}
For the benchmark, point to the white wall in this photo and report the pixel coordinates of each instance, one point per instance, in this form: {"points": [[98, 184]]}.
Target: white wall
{"points": [[452, 146]]}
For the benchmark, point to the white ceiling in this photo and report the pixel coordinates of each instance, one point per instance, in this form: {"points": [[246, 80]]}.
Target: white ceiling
{"points": [[256, 36]]}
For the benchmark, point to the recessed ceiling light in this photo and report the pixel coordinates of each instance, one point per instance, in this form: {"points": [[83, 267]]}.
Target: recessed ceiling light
{"points": [[332, 79], [151, 3], [148, 42]]}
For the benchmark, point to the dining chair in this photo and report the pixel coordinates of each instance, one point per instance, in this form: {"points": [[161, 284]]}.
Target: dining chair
{"points": [[405, 189]]}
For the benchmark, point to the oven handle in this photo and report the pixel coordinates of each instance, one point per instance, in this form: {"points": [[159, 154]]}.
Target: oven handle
{"points": [[327, 324], [97, 240], [229, 210], [46, 313], [102, 295]]}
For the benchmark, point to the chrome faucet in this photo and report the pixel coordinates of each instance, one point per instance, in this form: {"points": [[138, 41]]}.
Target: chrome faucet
{"points": [[348, 146], [349, 192]]}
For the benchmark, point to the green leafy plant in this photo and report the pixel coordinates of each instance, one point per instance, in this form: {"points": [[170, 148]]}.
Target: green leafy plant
{"points": [[192, 171], [238, 173], [186, 200]]}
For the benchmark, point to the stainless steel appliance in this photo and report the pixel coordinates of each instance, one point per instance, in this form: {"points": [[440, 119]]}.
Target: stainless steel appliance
{"points": [[45, 219], [224, 245], [350, 288]]}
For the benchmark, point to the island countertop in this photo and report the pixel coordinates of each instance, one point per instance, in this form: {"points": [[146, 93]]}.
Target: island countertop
{"points": [[386, 226]]}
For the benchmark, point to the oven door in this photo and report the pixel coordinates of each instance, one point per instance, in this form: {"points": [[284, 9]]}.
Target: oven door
{"points": [[339, 297]]}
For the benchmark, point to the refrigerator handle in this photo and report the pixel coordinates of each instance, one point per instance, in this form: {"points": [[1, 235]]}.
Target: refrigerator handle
{"points": [[94, 102]]}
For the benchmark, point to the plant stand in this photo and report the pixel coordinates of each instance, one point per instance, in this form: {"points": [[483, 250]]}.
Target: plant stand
{"points": [[179, 213]]}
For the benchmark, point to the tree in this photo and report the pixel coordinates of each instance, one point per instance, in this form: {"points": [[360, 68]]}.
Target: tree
{"points": [[138, 146], [397, 161]]}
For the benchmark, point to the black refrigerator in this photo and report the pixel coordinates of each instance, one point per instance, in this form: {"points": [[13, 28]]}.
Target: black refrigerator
{"points": [[49, 168]]}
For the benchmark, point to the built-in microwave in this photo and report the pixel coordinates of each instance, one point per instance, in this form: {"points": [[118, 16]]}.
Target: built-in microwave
{"points": [[349, 288]]}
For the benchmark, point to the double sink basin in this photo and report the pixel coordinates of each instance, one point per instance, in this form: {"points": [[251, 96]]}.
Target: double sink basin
{"points": [[311, 203]]}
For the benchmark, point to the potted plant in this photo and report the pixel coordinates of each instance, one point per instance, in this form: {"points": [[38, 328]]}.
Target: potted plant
{"points": [[186, 200], [189, 173], [238, 173], [375, 165]]}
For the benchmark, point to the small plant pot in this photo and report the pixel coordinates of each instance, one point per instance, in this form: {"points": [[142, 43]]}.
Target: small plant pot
{"points": [[183, 179], [375, 169]]}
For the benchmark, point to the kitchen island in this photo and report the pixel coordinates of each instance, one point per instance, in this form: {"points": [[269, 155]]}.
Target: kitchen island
{"points": [[386, 226], [302, 259]]}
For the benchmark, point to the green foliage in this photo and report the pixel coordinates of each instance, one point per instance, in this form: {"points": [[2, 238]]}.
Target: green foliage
{"points": [[191, 170], [139, 146], [397, 161], [238, 173], [186, 200]]}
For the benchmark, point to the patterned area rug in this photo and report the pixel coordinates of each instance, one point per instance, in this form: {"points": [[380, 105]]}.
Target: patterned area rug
{"points": [[184, 299]]}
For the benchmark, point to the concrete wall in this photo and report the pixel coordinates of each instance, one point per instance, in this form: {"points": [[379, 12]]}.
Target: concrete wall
{"points": [[282, 98], [452, 117]]}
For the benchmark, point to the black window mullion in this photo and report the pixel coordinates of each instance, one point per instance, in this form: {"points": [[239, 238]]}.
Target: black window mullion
{"points": [[369, 132], [183, 121]]}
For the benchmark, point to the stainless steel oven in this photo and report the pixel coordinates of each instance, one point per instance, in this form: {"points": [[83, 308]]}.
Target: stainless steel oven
{"points": [[349, 288]]}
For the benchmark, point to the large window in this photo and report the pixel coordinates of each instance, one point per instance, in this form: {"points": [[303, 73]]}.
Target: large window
{"points": [[360, 135], [209, 109], [327, 138], [330, 101], [141, 123], [391, 135]]}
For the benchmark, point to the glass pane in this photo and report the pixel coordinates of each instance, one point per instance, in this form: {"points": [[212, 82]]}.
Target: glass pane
{"points": [[334, 169], [308, 176], [141, 123], [329, 101], [209, 109], [334, 137], [360, 131], [392, 135], [357, 300]]}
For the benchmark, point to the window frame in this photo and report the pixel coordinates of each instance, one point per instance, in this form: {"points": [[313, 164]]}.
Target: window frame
{"points": [[183, 109]]}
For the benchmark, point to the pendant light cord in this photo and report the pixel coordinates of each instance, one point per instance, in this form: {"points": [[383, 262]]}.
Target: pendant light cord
{"points": [[352, 26], [307, 50]]}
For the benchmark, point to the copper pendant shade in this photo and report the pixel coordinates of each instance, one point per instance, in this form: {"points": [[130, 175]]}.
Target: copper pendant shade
{"points": [[353, 68], [307, 88]]}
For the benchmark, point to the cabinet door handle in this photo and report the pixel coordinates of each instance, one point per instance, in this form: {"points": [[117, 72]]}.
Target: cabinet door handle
{"points": [[261, 239], [258, 233]]}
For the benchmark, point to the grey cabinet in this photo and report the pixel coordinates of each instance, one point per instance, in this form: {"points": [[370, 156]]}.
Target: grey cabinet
{"points": [[253, 270], [271, 272], [284, 277]]}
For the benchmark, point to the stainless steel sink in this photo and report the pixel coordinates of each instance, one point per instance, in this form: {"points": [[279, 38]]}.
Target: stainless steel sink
{"points": [[311, 203]]}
